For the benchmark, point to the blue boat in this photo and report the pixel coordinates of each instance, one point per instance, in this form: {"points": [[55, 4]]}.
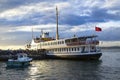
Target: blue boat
{"points": [[22, 61]]}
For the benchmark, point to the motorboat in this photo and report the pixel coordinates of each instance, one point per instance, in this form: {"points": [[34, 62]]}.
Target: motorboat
{"points": [[22, 60]]}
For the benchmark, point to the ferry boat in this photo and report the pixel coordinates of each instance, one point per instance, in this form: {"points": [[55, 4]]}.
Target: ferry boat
{"points": [[83, 47]]}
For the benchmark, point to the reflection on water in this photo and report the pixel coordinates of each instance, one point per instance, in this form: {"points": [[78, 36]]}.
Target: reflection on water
{"points": [[107, 68], [64, 70]]}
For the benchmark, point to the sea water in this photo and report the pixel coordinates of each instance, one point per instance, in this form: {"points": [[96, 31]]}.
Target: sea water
{"points": [[106, 68]]}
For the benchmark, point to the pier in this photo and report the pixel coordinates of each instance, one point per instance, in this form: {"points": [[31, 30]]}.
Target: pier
{"points": [[35, 54]]}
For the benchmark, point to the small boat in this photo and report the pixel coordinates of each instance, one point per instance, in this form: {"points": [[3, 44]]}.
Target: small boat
{"points": [[22, 61]]}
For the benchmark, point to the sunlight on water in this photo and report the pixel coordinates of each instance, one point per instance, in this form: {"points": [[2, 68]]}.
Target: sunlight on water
{"points": [[107, 68]]}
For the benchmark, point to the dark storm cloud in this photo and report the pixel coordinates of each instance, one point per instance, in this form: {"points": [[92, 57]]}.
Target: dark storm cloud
{"points": [[32, 19], [97, 15], [71, 15], [103, 15], [9, 4]]}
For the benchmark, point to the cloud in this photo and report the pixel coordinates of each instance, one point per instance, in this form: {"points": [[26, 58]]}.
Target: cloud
{"points": [[31, 14], [72, 13], [79, 17], [110, 34], [114, 4], [24, 10]]}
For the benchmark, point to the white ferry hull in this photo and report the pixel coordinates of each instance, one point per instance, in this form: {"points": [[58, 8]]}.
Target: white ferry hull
{"points": [[79, 56]]}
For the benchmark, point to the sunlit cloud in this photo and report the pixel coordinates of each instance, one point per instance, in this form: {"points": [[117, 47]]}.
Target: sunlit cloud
{"points": [[109, 43], [23, 11], [110, 24], [75, 17], [111, 4]]}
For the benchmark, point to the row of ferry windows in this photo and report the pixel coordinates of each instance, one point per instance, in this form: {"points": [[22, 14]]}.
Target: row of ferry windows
{"points": [[65, 49], [52, 43]]}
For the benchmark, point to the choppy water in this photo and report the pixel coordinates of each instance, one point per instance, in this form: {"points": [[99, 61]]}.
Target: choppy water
{"points": [[107, 68]]}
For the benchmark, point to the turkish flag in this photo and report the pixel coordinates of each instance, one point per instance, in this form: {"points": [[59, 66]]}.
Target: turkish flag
{"points": [[98, 29]]}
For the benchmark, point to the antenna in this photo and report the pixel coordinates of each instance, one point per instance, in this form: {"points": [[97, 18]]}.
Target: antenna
{"points": [[57, 35], [41, 31], [32, 33]]}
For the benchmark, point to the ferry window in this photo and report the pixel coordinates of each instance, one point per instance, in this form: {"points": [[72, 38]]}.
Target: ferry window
{"points": [[56, 50], [62, 42], [60, 49], [75, 49], [67, 49], [67, 41], [46, 44], [53, 50], [49, 43], [58, 42], [55, 43], [72, 49], [63, 49], [74, 40]]}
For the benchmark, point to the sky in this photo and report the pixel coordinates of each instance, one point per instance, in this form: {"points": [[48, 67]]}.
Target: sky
{"points": [[79, 17]]}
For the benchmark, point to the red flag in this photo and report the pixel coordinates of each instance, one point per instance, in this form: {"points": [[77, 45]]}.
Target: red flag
{"points": [[98, 29]]}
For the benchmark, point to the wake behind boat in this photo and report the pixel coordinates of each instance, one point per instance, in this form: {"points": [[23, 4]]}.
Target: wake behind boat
{"points": [[84, 47]]}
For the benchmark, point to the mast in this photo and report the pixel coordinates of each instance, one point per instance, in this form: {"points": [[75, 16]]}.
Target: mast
{"points": [[57, 35]]}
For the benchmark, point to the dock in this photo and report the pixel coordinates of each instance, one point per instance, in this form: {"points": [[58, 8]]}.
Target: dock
{"points": [[35, 54]]}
